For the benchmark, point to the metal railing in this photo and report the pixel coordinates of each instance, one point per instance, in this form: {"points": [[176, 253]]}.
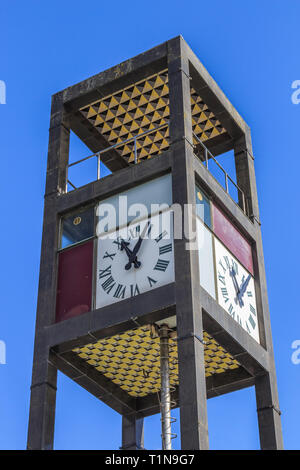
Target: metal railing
{"points": [[112, 147], [207, 156]]}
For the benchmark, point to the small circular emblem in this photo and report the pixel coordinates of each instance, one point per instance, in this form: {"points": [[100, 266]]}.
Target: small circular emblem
{"points": [[199, 195], [77, 221]]}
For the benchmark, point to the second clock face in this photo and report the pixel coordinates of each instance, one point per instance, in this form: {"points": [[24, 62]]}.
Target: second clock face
{"points": [[236, 292], [134, 260]]}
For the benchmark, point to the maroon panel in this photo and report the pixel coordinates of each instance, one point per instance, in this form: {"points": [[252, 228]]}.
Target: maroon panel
{"points": [[232, 238], [74, 288]]}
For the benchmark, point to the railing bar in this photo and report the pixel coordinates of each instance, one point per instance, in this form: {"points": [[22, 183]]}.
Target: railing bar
{"points": [[132, 138], [233, 182], [206, 151], [118, 145], [71, 184], [83, 159]]}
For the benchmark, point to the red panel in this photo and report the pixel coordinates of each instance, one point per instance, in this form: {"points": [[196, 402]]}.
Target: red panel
{"points": [[232, 238], [74, 288]]}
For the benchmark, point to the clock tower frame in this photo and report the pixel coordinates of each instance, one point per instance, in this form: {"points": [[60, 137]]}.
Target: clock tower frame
{"points": [[196, 311]]}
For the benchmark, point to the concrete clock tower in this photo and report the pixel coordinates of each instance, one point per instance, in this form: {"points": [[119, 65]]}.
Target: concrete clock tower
{"points": [[125, 309]]}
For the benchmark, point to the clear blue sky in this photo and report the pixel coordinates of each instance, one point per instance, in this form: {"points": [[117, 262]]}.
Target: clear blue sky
{"points": [[251, 48]]}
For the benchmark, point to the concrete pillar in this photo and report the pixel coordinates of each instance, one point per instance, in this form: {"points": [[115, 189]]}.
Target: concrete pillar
{"points": [[132, 433], [192, 385]]}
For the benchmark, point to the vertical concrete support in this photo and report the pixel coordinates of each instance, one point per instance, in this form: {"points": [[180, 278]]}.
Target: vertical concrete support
{"points": [[44, 374], [192, 388], [132, 433], [266, 386]]}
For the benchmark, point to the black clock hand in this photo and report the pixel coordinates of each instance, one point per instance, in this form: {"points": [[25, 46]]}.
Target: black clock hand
{"points": [[236, 286], [243, 289], [124, 246], [137, 247], [235, 283]]}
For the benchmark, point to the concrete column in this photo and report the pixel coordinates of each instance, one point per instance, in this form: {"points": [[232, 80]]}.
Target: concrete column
{"points": [[266, 386], [44, 374], [132, 433], [192, 384]]}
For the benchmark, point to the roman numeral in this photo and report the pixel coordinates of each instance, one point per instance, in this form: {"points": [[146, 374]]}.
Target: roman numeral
{"points": [[249, 293], [118, 243], [120, 291], [108, 284], [161, 265], [227, 261], [225, 294], [221, 278], [252, 322], [165, 249], [134, 232], [220, 263], [252, 310], [149, 229], [105, 272], [134, 290], [162, 235], [151, 281], [109, 255], [235, 267]]}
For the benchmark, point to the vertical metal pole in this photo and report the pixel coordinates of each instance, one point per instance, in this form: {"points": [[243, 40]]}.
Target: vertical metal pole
{"points": [[135, 151], [98, 166], [165, 389]]}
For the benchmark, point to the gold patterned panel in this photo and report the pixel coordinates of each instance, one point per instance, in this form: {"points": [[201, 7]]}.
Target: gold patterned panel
{"points": [[142, 109], [138, 109], [132, 360], [205, 125]]}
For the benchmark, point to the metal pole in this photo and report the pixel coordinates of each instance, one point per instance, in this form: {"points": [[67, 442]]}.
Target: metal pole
{"points": [[226, 182], [98, 166], [135, 151], [165, 389]]}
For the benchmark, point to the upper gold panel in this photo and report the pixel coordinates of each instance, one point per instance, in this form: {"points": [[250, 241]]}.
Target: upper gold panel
{"points": [[132, 360], [144, 107]]}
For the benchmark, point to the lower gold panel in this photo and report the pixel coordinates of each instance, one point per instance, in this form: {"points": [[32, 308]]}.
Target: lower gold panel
{"points": [[132, 360]]}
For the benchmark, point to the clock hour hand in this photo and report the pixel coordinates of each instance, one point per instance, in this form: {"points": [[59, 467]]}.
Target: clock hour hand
{"points": [[124, 246], [136, 248]]}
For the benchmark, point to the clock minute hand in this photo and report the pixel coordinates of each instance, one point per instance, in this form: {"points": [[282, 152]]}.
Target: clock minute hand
{"points": [[243, 288], [235, 283]]}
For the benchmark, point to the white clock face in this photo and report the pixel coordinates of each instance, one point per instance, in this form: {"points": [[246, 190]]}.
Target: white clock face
{"points": [[134, 260], [236, 292]]}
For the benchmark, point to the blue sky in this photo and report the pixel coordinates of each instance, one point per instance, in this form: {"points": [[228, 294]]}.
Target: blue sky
{"points": [[251, 48]]}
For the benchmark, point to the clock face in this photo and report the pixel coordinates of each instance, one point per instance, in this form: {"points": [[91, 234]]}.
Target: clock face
{"points": [[236, 292], [135, 259]]}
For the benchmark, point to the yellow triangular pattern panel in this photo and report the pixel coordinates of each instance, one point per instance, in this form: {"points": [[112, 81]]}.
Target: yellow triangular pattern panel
{"points": [[132, 360], [144, 107]]}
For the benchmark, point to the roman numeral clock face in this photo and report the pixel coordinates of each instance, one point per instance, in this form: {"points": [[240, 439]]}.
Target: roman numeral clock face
{"points": [[134, 260], [236, 292]]}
